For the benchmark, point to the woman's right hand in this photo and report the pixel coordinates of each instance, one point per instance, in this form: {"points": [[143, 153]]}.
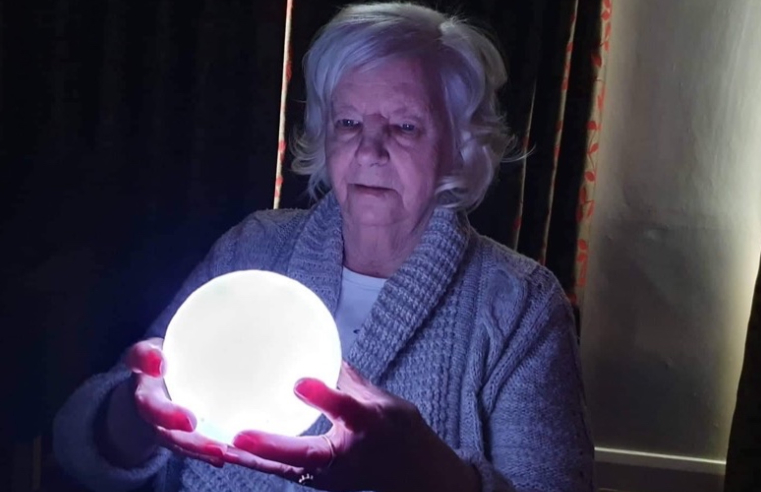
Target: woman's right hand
{"points": [[173, 425]]}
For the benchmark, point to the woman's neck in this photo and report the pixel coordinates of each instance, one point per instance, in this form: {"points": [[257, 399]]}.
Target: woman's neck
{"points": [[379, 251]]}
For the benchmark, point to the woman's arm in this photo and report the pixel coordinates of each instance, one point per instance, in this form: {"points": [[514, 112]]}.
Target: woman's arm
{"points": [[77, 448], [536, 425], [122, 437], [96, 437], [94, 431]]}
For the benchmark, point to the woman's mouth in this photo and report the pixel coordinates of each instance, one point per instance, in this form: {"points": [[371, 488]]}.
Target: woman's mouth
{"points": [[370, 190]]}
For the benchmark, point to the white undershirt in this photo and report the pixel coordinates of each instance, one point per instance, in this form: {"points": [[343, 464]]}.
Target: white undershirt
{"points": [[358, 294]]}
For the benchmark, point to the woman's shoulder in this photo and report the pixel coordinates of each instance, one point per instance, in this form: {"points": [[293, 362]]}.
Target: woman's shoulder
{"points": [[515, 288], [505, 266], [273, 221]]}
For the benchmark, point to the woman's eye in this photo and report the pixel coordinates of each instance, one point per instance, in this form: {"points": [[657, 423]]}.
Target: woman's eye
{"points": [[347, 123], [407, 127]]}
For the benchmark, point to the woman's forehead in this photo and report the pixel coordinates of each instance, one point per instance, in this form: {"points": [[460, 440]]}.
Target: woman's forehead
{"points": [[399, 86], [395, 70], [399, 105]]}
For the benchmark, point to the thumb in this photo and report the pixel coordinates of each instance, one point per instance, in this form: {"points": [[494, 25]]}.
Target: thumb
{"points": [[336, 405]]}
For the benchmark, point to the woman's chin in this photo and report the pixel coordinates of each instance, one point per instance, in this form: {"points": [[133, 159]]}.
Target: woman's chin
{"points": [[370, 215], [372, 210]]}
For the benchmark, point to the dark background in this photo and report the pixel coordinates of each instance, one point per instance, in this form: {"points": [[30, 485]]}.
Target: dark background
{"points": [[134, 133]]}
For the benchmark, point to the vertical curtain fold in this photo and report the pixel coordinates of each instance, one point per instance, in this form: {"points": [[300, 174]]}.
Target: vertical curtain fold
{"points": [[563, 91], [585, 203], [286, 78], [564, 131], [544, 133], [554, 184]]}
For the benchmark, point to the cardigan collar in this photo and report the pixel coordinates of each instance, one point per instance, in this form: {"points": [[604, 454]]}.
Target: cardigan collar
{"points": [[407, 299]]}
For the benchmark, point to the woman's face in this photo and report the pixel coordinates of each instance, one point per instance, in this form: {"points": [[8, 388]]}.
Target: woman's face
{"points": [[387, 143]]}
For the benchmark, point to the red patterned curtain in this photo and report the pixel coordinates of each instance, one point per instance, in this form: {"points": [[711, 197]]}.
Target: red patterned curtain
{"points": [[586, 204], [556, 182]]}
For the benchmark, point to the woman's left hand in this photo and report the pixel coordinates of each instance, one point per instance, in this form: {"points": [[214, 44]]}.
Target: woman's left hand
{"points": [[378, 441]]}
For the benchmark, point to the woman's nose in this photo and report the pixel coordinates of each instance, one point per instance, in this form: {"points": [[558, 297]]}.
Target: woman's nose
{"points": [[372, 148]]}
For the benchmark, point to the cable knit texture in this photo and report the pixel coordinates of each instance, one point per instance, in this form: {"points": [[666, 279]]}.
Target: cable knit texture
{"points": [[478, 337]]}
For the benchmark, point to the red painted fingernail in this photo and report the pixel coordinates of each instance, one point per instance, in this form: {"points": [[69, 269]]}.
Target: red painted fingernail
{"points": [[183, 421], [215, 450], [244, 441], [306, 388], [153, 363]]}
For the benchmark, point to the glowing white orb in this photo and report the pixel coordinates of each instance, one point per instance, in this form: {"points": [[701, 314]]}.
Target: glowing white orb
{"points": [[238, 344]]}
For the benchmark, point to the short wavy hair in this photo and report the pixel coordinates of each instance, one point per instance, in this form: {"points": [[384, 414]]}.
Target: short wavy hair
{"points": [[471, 70]]}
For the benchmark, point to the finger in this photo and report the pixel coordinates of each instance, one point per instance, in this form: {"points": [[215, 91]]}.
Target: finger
{"points": [[244, 458], [192, 444], [155, 407], [217, 462], [338, 406], [310, 452], [145, 357]]}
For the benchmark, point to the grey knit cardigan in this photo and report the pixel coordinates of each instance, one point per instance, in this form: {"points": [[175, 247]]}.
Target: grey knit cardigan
{"points": [[479, 338]]}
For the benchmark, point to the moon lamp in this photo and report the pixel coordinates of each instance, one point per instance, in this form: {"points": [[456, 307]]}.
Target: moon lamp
{"points": [[238, 344]]}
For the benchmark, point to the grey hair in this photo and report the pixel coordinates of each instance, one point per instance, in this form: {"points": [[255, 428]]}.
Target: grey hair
{"points": [[471, 71]]}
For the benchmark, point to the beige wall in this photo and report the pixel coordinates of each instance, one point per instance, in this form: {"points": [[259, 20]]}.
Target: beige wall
{"points": [[677, 234]]}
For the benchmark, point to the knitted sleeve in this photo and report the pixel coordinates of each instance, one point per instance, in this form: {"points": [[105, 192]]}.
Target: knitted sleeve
{"points": [[536, 432], [74, 426], [74, 443]]}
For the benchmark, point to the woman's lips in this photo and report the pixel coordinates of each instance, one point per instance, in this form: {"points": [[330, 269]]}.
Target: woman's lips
{"points": [[370, 190]]}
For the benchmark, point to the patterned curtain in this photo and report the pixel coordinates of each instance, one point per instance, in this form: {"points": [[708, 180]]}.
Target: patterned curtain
{"points": [[586, 204], [743, 472], [556, 182]]}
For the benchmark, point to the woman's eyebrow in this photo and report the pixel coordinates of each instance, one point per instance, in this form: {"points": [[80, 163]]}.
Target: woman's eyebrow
{"points": [[337, 108], [410, 114], [405, 111]]}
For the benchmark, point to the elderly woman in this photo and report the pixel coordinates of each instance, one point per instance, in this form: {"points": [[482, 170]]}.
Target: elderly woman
{"points": [[461, 371]]}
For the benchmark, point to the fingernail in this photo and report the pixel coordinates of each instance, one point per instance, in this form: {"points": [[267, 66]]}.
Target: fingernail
{"points": [[245, 441], [183, 421], [154, 363], [305, 388], [218, 450]]}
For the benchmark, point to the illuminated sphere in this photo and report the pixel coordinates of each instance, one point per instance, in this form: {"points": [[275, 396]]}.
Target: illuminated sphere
{"points": [[236, 347]]}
